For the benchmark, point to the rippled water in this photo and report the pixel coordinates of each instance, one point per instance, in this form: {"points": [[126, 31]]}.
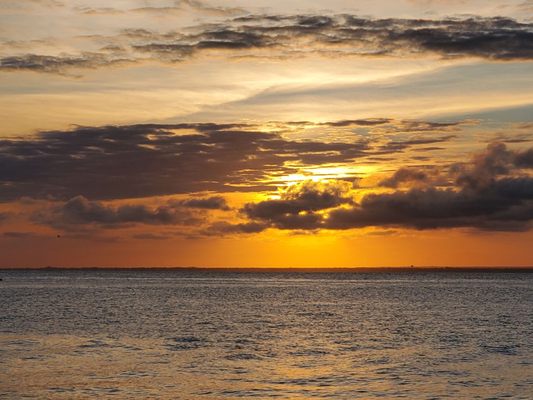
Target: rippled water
{"points": [[288, 335]]}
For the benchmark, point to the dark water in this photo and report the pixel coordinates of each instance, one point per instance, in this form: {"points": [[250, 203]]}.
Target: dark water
{"points": [[288, 335]]}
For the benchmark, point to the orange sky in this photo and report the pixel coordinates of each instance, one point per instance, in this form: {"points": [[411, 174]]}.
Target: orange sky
{"points": [[160, 133]]}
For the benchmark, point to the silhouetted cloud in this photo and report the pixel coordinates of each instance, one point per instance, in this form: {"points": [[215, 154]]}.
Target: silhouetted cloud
{"points": [[297, 207], [490, 196], [81, 211], [59, 64], [114, 162], [404, 175], [495, 38], [209, 203], [504, 205], [486, 166], [397, 146], [224, 228], [524, 159]]}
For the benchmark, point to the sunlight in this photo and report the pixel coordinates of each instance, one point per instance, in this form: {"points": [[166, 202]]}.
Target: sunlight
{"points": [[320, 173]]}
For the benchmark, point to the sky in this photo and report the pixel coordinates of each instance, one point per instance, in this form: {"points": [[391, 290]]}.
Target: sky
{"points": [[266, 133]]}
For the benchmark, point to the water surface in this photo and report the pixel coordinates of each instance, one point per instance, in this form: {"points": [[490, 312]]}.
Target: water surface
{"points": [[186, 334]]}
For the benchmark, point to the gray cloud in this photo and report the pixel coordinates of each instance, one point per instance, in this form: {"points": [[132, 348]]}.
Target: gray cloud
{"points": [[225, 228], [79, 211], [405, 175], [505, 205], [209, 203], [492, 194], [485, 167], [524, 159], [114, 162], [59, 64], [495, 38], [297, 207]]}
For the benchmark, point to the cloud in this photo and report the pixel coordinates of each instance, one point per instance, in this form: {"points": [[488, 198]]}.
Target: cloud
{"points": [[196, 6], [493, 38], [151, 236], [222, 228], [275, 36], [4, 216], [492, 194], [177, 7], [486, 166], [209, 203], [397, 146], [405, 175], [524, 159], [505, 205], [134, 161], [297, 207], [59, 64], [21, 235], [79, 211]]}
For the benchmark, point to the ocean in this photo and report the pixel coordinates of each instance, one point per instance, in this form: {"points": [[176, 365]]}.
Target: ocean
{"points": [[206, 334]]}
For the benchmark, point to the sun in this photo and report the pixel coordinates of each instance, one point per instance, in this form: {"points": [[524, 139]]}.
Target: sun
{"points": [[328, 172]]}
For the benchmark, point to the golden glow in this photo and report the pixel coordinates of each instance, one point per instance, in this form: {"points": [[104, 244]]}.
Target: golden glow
{"points": [[321, 173]]}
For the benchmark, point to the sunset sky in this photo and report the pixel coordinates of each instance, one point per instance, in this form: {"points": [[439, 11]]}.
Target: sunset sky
{"points": [[266, 133]]}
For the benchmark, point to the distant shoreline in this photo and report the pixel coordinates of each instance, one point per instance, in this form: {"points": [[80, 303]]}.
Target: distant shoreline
{"points": [[280, 269]]}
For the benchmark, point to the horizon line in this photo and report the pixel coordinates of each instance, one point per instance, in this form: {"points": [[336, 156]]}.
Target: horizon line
{"points": [[280, 269]]}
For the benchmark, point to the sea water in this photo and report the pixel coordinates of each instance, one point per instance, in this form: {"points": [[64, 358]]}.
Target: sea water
{"points": [[204, 334]]}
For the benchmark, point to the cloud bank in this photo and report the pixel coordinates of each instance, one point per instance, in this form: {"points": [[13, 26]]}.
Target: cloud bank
{"points": [[276, 36], [493, 192]]}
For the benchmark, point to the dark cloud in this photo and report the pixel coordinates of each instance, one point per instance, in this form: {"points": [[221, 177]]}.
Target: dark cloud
{"points": [[151, 236], [488, 165], [398, 146], [79, 211], [495, 38], [58, 64], [224, 228], [297, 208], [506, 204], [492, 194], [358, 122], [405, 175], [209, 203], [115, 162], [20, 235], [4, 216], [524, 159]]}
